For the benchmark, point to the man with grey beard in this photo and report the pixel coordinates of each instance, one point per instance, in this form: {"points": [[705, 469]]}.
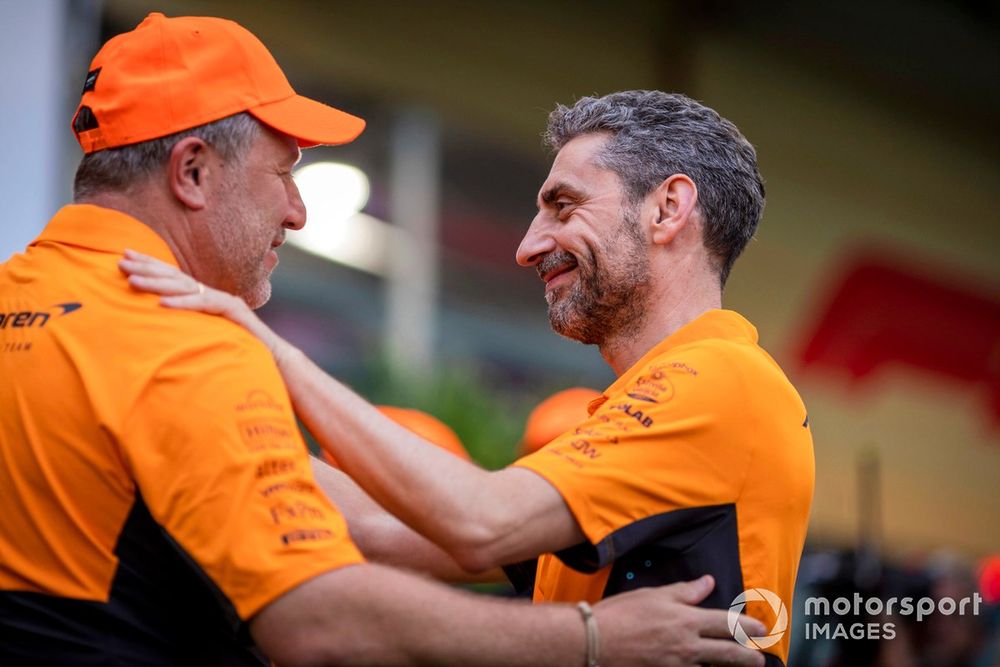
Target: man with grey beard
{"points": [[696, 461]]}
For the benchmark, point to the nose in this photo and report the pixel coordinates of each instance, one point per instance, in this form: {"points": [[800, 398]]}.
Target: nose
{"points": [[537, 242], [295, 217]]}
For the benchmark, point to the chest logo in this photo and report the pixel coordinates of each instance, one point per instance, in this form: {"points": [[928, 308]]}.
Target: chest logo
{"points": [[26, 319]]}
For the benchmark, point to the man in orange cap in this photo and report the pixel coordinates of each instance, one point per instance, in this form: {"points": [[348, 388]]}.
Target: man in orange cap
{"points": [[697, 459], [158, 506]]}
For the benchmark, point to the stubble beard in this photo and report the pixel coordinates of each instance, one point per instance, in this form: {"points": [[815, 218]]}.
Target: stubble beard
{"points": [[608, 300], [244, 252]]}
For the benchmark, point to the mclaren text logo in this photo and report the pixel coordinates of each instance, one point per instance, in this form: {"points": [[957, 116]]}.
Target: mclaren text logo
{"points": [[39, 318], [777, 607]]}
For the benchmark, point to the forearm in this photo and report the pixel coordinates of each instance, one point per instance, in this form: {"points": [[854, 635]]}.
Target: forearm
{"points": [[383, 538], [450, 501], [366, 614], [460, 628]]}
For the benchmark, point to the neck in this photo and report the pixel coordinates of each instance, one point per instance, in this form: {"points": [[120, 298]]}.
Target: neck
{"points": [[668, 309], [149, 208]]}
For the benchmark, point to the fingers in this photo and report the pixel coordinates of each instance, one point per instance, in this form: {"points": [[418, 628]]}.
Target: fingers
{"points": [[726, 652], [179, 290], [135, 254], [138, 263], [172, 285], [692, 592], [133, 267], [149, 274], [715, 623], [204, 302], [711, 622]]}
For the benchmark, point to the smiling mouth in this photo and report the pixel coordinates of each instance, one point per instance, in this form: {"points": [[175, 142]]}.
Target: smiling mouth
{"points": [[552, 275], [555, 265]]}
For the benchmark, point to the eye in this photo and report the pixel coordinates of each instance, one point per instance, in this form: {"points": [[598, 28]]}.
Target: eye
{"points": [[561, 206]]}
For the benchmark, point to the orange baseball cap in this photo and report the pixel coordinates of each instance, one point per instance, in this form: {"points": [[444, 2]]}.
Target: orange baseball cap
{"points": [[555, 415], [427, 426], [172, 74]]}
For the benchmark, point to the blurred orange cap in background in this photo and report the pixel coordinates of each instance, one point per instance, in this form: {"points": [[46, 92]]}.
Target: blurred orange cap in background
{"points": [[555, 415], [427, 426]]}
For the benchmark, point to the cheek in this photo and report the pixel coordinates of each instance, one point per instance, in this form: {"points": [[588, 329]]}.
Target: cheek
{"points": [[589, 255], [254, 230]]}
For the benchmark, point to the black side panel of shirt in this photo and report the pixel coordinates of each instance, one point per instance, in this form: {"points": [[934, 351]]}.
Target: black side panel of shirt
{"points": [[666, 548], [162, 610]]}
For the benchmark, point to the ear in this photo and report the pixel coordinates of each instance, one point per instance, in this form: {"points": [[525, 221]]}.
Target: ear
{"points": [[187, 171], [675, 198]]}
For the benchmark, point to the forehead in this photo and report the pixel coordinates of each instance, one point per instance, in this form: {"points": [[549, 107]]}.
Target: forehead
{"points": [[276, 146], [576, 165]]}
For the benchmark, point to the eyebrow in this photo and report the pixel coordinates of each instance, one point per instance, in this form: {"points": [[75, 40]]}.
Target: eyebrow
{"points": [[550, 194]]}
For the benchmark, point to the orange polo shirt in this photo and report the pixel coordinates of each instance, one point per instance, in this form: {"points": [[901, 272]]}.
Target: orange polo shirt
{"points": [[156, 491], [697, 460]]}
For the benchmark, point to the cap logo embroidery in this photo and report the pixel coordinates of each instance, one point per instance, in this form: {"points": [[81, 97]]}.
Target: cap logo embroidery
{"points": [[91, 81]]}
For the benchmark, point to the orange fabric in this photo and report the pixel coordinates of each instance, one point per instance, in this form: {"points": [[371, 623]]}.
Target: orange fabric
{"points": [[705, 418], [427, 426], [172, 74], [108, 395], [555, 415]]}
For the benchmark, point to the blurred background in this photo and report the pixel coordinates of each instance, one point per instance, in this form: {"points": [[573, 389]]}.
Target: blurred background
{"points": [[874, 279]]}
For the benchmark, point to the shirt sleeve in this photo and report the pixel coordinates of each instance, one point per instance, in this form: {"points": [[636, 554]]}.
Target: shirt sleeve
{"points": [[663, 441], [214, 448]]}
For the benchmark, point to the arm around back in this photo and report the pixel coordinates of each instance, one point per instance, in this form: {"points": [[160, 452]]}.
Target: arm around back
{"points": [[374, 615]]}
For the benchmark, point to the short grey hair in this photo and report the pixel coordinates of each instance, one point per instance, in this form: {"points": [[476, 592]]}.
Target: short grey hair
{"points": [[118, 169], [655, 135]]}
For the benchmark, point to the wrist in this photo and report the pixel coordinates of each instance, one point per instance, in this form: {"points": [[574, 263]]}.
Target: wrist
{"points": [[593, 640], [282, 351]]}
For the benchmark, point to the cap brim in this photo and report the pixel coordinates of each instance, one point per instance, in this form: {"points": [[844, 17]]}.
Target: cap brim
{"points": [[309, 121]]}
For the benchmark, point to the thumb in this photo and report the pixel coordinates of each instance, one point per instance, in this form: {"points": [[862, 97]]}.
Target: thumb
{"points": [[693, 592]]}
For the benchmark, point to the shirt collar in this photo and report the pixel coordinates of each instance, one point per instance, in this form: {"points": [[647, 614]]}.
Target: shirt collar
{"points": [[105, 230], [724, 324]]}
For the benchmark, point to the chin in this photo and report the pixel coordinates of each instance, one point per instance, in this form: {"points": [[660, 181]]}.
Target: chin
{"points": [[580, 335], [259, 295], [571, 325]]}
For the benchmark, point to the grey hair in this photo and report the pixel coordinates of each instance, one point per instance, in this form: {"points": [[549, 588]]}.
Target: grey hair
{"points": [[655, 135], [118, 169]]}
